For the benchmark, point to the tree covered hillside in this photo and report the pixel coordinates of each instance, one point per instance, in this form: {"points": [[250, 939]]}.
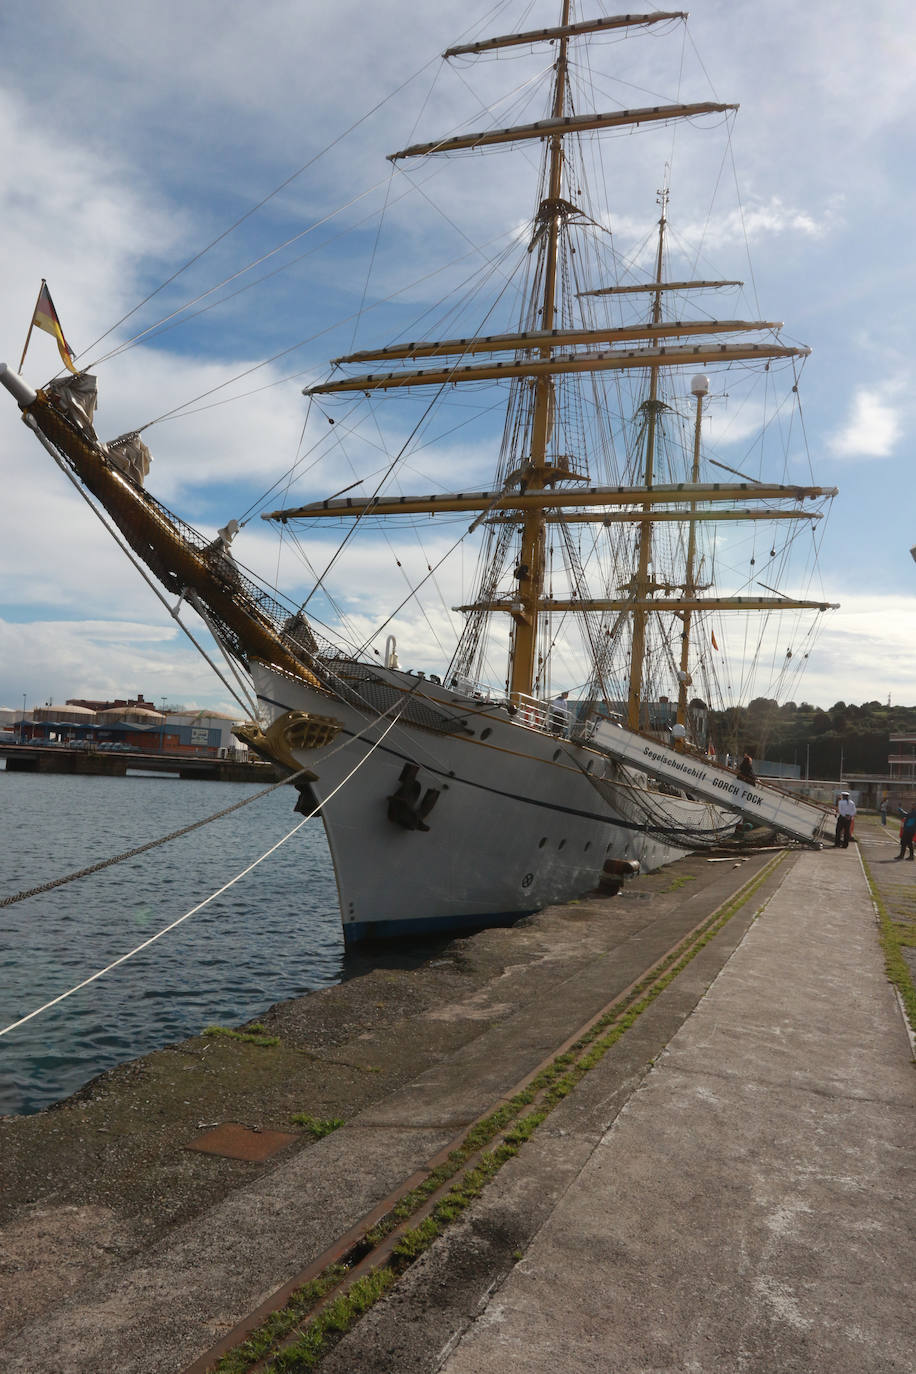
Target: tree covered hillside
{"points": [[853, 738]]}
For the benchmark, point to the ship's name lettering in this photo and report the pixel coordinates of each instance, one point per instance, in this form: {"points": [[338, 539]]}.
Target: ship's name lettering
{"points": [[688, 770], [735, 790]]}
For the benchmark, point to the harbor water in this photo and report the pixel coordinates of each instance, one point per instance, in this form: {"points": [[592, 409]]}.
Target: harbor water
{"points": [[274, 935]]}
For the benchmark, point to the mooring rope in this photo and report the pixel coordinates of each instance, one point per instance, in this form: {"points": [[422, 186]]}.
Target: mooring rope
{"points": [[195, 825], [142, 848], [207, 900]]}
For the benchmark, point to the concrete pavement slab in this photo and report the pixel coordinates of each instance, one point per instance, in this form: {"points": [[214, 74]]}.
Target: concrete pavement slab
{"points": [[125, 1293], [751, 1206]]}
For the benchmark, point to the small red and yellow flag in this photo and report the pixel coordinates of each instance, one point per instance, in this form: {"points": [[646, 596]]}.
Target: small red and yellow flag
{"points": [[45, 317]]}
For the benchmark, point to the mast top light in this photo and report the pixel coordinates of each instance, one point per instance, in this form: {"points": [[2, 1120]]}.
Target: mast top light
{"points": [[699, 385]]}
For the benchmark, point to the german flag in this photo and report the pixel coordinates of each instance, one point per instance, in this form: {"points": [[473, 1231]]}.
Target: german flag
{"points": [[45, 318]]}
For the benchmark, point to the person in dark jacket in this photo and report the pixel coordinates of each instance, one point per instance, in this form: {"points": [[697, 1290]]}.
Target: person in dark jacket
{"points": [[746, 770], [907, 832]]}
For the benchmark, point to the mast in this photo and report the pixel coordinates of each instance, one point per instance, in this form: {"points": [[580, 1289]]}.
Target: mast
{"points": [[644, 538], [543, 487], [536, 360], [530, 569], [699, 386], [546, 348], [663, 493], [625, 359], [249, 623]]}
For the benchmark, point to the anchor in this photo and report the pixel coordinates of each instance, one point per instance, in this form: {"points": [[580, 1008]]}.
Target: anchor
{"points": [[405, 806]]}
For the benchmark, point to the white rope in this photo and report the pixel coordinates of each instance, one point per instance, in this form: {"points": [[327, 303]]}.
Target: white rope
{"points": [[207, 900]]}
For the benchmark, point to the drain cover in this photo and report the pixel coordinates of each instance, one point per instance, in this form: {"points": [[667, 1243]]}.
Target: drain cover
{"points": [[239, 1142]]}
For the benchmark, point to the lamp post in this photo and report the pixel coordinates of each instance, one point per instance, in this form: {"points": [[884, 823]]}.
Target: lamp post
{"points": [[162, 728], [22, 721]]}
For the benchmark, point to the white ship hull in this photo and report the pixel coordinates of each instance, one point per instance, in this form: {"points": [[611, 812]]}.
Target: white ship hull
{"points": [[518, 819]]}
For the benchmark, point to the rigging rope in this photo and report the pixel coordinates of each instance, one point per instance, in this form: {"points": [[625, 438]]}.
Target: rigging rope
{"points": [[143, 848], [185, 830], [132, 558], [270, 196], [207, 900]]}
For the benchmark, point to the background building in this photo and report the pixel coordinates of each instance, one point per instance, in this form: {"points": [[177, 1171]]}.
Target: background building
{"points": [[131, 724]]}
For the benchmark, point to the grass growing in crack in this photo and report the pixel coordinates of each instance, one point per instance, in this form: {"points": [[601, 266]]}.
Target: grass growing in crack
{"points": [[315, 1125], [260, 1343], [559, 1078], [680, 881], [551, 1085], [332, 1323], [892, 942], [255, 1035]]}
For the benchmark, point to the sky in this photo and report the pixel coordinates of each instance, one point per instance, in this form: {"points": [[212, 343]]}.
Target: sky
{"points": [[138, 135]]}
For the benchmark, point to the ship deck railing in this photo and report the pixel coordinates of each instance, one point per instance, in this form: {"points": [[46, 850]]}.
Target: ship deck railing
{"points": [[536, 714]]}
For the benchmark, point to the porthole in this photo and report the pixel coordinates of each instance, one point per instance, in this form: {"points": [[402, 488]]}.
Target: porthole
{"points": [[561, 845], [556, 755], [588, 845], [484, 734], [542, 842]]}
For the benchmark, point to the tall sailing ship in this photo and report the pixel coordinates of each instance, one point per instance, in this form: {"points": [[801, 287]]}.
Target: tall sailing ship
{"points": [[464, 798]]}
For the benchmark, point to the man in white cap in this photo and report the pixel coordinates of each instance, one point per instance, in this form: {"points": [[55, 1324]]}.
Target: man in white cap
{"points": [[845, 810]]}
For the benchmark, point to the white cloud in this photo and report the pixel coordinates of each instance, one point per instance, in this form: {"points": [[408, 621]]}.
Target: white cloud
{"points": [[752, 222], [873, 427], [775, 217], [866, 650], [212, 123], [79, 217], [48, 660]]}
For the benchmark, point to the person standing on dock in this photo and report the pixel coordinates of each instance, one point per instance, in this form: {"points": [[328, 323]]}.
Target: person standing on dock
{"points": [[845, 812], [882, 807], [907, 832]]}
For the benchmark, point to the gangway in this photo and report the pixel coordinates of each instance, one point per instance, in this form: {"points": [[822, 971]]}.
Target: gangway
{"points": [[804, 821]]}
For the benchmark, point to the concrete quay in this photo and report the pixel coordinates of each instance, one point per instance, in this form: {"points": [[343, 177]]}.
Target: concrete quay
{"points": [[750, 1207], [45, 758], [730, 1189]]}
